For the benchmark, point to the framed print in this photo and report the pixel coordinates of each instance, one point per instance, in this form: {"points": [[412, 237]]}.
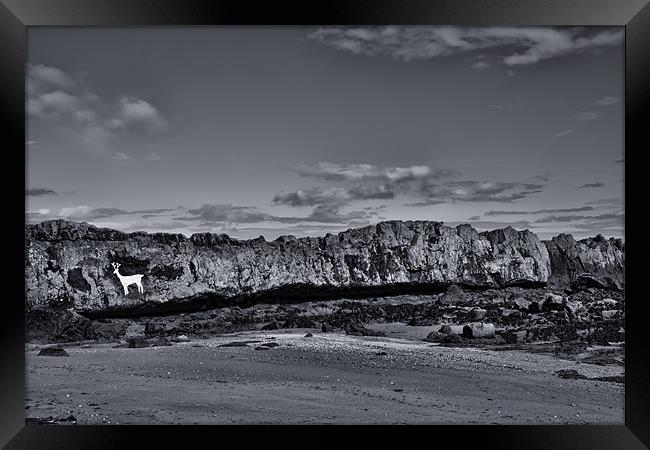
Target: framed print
{"points": [[354, 216]]}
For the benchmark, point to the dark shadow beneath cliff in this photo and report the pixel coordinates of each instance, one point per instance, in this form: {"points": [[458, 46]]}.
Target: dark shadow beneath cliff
{"points": [[297, 293]]}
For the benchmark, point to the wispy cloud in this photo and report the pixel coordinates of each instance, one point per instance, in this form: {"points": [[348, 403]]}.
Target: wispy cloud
{"points": [[84, 212], [607, 101], [512, 46], [153, 156], [38, 192], [356, 172], [120, 156], [537, 211], [423, 185], [589, 115], [597, 184], [574, 218], [562, 133]]}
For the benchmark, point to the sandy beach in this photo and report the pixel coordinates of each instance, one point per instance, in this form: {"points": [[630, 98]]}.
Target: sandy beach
{"points": [[327, 378]]}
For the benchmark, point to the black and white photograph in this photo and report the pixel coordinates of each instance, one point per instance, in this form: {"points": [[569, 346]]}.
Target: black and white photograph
{"points": [[382, 224]]}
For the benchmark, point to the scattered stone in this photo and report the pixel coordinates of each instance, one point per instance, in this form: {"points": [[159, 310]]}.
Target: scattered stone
{"points": [[513, 313], [452, 339], [552, 302], [181, 338], [477, 314], [356, 329], [327, 328], [435, 336], [454, 294], [309, 335], [262, 348], [270, 344], [574, 306], [137, 342], [271, 326], [53, 351], [521, 303], [609, 313], [160, 341], [238, 343]]}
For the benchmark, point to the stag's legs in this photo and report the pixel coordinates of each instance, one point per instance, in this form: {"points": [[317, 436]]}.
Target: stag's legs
{"points": [[126, 290]]}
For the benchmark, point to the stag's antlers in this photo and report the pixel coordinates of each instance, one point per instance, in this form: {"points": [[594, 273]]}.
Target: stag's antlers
{"points": [[115, 265]]}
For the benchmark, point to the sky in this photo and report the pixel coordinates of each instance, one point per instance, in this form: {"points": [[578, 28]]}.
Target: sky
{"points": [[303, 131]]}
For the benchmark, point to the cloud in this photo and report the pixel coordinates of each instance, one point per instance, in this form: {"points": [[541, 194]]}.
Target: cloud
{"points": [[120, 156], [472, 191], [31, 144], [607, 101], [356, 172], [574, 218], [592, 185], [475, 218], [55, 95], [84, 212], [313, 196], [369, 182], [480, 65], [137, 112], [153, 156], [510, 73], [541, 178], [213, 213], [562, 133], [37, 192], [44, 78], [619, 161], [590, 115], [507, 105], [611, 201], [539, 211], [511, 46], [226, 215]]}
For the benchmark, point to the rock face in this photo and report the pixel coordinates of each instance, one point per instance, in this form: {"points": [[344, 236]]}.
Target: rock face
{"points": [[68, 264], [592, 262]]}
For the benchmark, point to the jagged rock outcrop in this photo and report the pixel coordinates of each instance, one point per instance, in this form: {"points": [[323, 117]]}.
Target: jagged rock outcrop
{"points": [[68, 264], [592, 262]]}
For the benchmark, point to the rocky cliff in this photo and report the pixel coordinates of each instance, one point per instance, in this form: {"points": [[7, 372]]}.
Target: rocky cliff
{"points": [[68, 264], [592, 262]]}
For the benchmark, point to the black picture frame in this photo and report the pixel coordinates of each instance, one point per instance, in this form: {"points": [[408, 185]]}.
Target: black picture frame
{"points": [[17, 15]]}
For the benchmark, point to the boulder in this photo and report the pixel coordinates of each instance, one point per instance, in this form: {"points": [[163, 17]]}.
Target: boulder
{"points": [[53, 351], [356, 329], [451, 329], [521, 303], [451, 339], [477, 314], [478, 330], [137, 342], [552, 302], [435, 336], [452, 295]]}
